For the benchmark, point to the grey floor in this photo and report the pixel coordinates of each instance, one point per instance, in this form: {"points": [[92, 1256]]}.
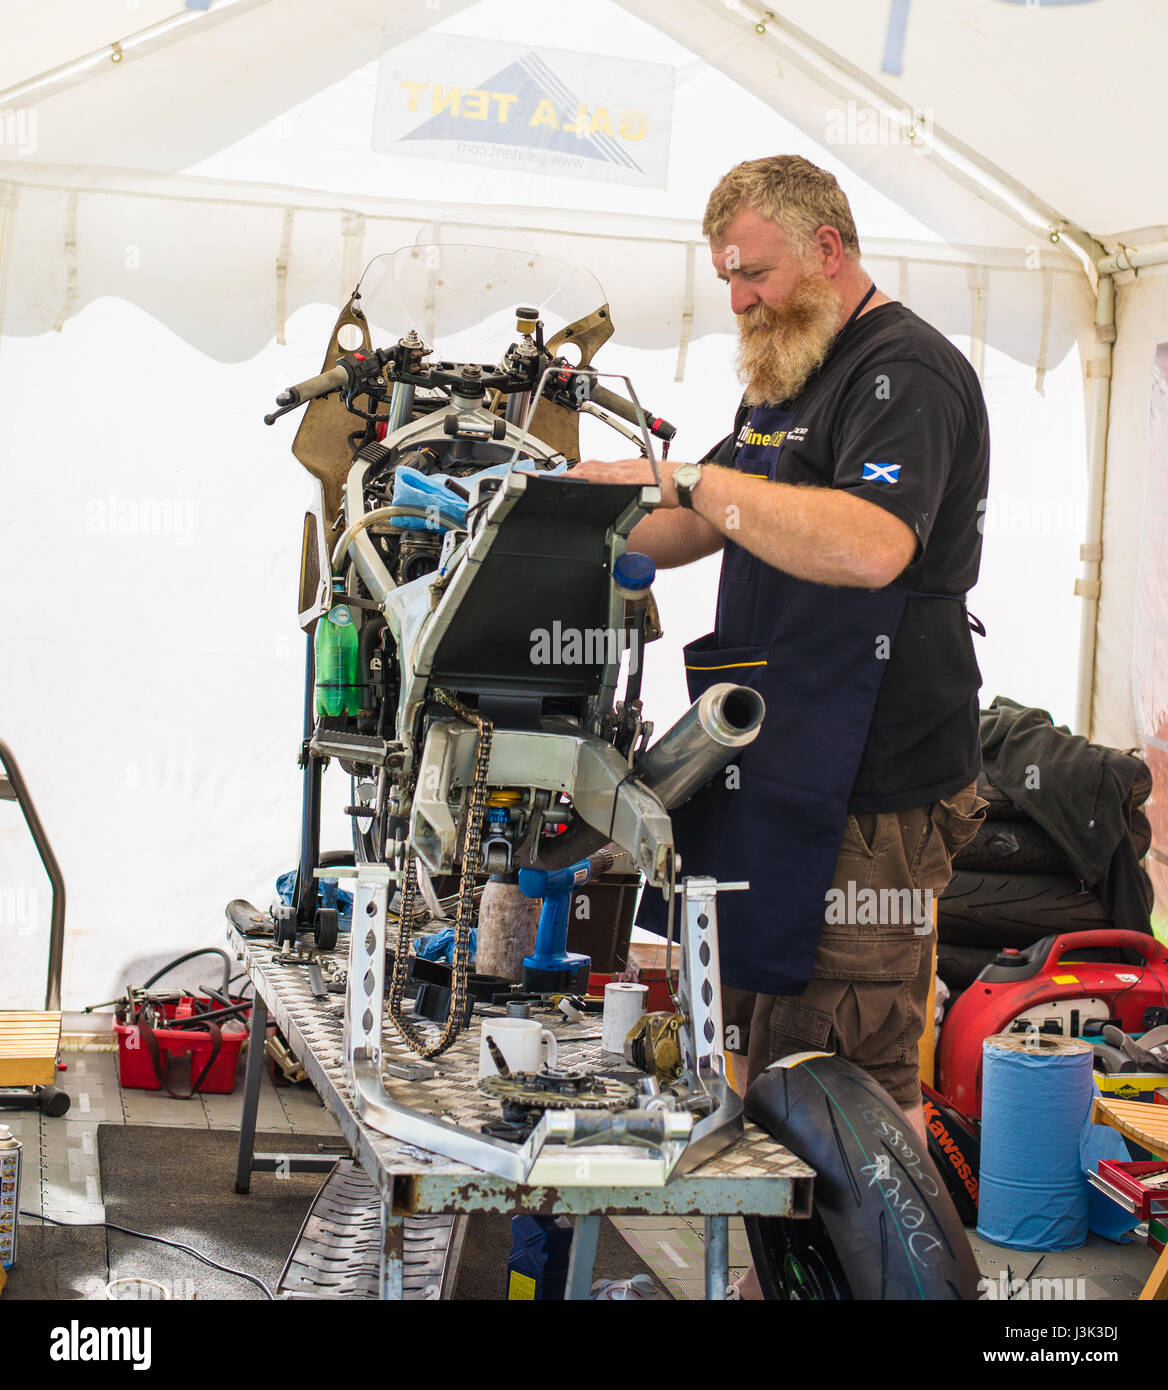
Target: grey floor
{"points": [[61, 1180], [60, 1176]]}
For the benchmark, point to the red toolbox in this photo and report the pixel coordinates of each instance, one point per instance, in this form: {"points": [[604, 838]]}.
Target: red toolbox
{"points": [[214, 1056], [1129, 1185]]}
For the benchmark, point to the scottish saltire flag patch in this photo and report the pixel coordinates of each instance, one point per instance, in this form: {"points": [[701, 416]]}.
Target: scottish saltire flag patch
{"points": [[880, 473]]}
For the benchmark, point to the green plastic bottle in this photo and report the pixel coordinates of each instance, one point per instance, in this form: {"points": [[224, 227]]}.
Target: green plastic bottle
{"points": [[336, 651]]}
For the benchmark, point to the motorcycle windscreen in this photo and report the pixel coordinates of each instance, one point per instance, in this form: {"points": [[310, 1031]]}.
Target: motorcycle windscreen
{"points": [[462, 299]]}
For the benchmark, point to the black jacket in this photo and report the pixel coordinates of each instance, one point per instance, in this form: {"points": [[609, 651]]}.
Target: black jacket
{"points": [[1080, 793]]}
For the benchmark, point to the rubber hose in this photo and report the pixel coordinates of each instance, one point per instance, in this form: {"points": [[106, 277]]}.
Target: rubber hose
{"points": [[190, 955]]}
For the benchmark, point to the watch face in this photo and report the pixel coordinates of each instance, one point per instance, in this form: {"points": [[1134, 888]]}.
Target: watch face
{"points": [[687, 475]]}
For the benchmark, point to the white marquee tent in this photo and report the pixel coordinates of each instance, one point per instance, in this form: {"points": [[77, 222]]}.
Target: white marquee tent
{"points": [[188, 194]]}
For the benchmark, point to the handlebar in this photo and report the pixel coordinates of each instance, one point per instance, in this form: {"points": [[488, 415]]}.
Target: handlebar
{"points": [[332, 380], [356, 367], [609, 400], [337, 378]]}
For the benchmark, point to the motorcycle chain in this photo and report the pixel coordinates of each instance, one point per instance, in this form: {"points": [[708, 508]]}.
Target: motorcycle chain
{"points": [[419, 1041]]}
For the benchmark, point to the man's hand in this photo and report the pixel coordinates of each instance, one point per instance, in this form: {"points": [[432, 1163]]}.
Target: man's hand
{"points": [[628, 471]]}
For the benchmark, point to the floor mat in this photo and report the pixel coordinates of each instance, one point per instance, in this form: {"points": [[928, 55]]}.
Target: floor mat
{"points": [[57, 1264], [180, 1183]]}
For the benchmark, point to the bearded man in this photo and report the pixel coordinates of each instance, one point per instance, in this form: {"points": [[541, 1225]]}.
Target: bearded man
{"points": [[845, 502]]}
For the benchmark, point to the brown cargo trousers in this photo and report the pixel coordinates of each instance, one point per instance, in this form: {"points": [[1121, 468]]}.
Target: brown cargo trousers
{"points": [[869, 986]]}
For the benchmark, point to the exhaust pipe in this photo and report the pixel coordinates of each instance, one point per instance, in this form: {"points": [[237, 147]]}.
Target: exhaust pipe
{"points": [[716, 726], [706, 737]]}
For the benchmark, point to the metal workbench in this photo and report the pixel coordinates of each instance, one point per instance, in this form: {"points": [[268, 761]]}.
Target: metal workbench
{"points": [[755, 1176]]}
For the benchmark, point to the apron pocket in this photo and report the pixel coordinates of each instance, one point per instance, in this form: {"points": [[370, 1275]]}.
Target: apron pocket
{"points": [[707, 665]]}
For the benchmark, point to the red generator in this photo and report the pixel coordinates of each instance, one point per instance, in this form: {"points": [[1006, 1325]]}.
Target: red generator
{"points": [[1051, 987]]}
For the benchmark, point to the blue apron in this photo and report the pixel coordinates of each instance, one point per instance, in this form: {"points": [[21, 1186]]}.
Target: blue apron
{"points": [[817, 654]]}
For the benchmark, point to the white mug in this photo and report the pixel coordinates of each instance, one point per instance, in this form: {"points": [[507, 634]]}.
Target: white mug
{"points": [[521, 1041]]}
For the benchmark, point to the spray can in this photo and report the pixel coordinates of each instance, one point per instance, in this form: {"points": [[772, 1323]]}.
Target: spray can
{"points": [[336, 652], [10, 1151]]}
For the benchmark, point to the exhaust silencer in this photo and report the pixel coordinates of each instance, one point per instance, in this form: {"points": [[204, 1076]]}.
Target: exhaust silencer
{"points": [[706, 737], [725, 719]]}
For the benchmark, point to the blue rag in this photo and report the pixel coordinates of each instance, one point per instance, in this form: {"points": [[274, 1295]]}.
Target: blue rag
{"points": [[439, 945], [330, 896], [447, 511]]}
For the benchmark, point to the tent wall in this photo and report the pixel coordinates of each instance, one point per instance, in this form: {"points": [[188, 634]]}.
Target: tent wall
{"points": [[1142, 323]]}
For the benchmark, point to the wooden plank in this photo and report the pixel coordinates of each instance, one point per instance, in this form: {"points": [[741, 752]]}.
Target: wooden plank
{"points": [[1156, 1289], [1147, 1124], [28, 1071], [1142, 1121], [29, 1043]]}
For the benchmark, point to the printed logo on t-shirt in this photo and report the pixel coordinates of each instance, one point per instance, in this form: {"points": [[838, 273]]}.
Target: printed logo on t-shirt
{"points": [[764, 441], [880, 473]]}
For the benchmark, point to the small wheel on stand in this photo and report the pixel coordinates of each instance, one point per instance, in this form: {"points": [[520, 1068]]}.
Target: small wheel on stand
{"points": [[287, 927], [326, 928]]}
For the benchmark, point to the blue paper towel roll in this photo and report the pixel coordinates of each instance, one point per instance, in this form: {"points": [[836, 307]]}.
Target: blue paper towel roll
{"points": [[1036, 1089]]}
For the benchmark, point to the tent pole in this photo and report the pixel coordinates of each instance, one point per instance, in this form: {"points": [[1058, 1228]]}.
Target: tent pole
{"points": [[1131, 259], [148, 40], [1091, 551]]}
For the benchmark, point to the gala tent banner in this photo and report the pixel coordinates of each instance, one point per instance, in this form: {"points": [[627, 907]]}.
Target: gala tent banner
{"points": [[528, 109]]}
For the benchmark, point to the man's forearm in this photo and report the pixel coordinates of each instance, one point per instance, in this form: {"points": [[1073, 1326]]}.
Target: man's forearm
{"points": [[817, 533], [672, 537]]}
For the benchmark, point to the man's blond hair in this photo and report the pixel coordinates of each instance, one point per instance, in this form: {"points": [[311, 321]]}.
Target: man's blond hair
{"points": [[789, 190]]}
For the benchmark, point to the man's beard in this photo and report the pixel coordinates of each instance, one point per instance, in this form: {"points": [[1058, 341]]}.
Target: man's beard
{"points": [[778, 349]]}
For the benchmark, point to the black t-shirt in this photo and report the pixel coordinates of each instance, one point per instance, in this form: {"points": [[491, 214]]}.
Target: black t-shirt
{"points": [[895, 415]]}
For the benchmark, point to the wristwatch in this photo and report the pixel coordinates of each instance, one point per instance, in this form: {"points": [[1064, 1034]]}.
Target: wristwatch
{"points": [[686, 477]]}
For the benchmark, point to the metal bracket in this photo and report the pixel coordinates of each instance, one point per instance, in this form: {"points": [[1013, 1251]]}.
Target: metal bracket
{"points": [[551, 1154], [699, 990]]}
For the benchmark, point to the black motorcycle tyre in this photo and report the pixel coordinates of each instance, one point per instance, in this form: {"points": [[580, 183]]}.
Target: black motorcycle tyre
{"points": [[878, 1230]]}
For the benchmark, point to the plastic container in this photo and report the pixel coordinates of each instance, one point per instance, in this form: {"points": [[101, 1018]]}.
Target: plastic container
{"points": [[658, 1000], [336, 654], [136, 1067]]}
